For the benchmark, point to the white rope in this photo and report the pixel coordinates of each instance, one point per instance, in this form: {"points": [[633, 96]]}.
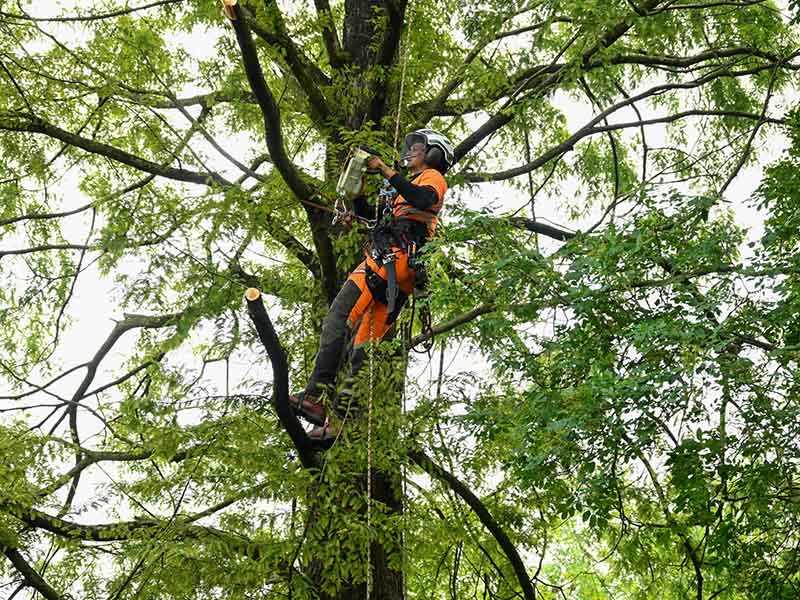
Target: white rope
{"points": [[403, 51], [371, 348], [403, 464]]}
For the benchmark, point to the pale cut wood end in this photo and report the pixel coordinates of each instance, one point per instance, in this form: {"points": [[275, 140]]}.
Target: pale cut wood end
{"points": [[252, 294]]}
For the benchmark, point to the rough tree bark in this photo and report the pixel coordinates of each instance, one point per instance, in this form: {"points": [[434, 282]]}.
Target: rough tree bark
{"points": [[371, 35]]}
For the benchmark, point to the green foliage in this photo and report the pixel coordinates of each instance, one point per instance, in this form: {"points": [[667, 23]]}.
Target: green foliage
{"points": [[622, 401]]}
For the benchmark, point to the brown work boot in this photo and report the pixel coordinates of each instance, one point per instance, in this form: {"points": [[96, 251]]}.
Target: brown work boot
{"points": [[327, 433], [310, 407]]}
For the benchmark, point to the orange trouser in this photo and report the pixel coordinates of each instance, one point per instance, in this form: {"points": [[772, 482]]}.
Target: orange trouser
{"points": [[356, 309]]}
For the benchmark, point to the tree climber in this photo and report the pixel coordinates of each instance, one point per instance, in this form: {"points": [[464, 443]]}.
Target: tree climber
{"points": [[379, 286]]}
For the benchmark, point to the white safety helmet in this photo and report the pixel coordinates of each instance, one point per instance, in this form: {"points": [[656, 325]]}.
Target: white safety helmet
{"points": [[438, 149]]}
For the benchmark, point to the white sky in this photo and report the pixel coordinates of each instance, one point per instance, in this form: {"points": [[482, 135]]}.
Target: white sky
{"points": [[94, 306]]}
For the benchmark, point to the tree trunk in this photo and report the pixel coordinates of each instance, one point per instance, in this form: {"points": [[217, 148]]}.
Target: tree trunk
{"points": [[387, 582], [371, 32]]}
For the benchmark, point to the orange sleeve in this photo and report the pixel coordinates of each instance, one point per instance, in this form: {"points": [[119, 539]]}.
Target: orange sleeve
{"points": [[434, 179]]}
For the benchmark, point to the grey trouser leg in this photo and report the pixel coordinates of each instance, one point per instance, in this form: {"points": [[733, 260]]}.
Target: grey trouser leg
{"points": [[331, 344]]}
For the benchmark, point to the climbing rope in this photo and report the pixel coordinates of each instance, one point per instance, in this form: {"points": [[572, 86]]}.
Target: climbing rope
{"points": [[403, 51], [371, 349]]}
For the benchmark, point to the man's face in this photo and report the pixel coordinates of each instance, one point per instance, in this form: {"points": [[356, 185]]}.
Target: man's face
{"points": [[415, 157]]}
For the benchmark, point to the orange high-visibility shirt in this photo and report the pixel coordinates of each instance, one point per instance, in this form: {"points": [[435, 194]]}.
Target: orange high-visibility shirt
{"points": [[402, 209]]}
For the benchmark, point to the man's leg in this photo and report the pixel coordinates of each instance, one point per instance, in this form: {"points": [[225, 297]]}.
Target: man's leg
{"points": [[344, 311], [377, 312]]}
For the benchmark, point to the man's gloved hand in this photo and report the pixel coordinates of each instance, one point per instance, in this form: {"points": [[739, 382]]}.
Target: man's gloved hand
{"points": [[374, 163]]}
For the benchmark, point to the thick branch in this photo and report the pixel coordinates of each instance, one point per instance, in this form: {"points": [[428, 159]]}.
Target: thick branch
{"points": [[209, 99], [280, 373], [466, 317], [123, 378], [616, 32], [532, 76], [125, 530], [83, 18], [90, 458], [42, 248], [387, 51], [329, 35], [128, 323], [28, 124], [689, 113], [306, 72], [436, 106], [29, 574], [682, 62], [480, 510], [543, 229], [269, 108], [592, 127], [295, 247], [542, 78]]}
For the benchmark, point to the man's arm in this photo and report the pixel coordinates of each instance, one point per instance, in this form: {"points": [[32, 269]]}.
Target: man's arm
{"points": [[420, 196]]}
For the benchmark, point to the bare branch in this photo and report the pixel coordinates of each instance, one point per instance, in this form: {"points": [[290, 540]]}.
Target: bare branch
{"points": [[480, 510], [24, 123], [29, 574], [84, 18]]}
